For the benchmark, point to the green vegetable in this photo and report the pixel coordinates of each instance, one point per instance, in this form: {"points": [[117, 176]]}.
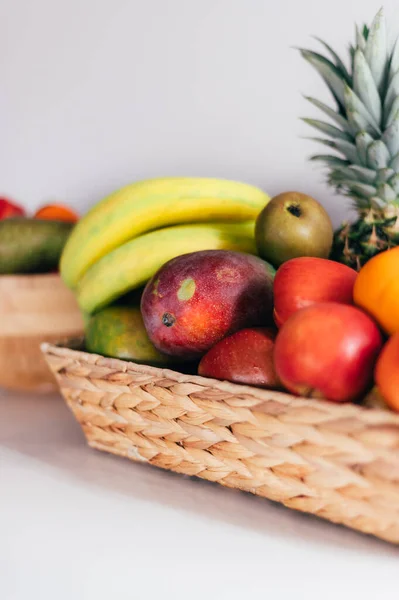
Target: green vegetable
{"points": [[31, 245]]}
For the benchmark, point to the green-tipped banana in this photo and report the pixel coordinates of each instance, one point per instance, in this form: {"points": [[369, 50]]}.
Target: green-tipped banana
{"points": [[134, 263], [149, 205]]}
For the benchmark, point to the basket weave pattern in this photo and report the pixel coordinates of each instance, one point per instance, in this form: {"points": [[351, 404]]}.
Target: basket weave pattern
{"points": [[340, 462]]}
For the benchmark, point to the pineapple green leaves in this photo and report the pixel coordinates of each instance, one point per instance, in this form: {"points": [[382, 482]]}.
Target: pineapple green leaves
{"points": [[394, 61], [391, 96], [333, 77], [363, 141], [395, 163], [330, 112], [362, 132], [390, 138], [378, 156], [360, 40], [365, 87], [338, 62], [365, 132], [328, 129], [357, 114], [375, 51]]}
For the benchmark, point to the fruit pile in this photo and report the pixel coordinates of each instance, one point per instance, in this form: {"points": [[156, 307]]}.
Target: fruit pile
{"points": [[213, 276], [33, 244]]}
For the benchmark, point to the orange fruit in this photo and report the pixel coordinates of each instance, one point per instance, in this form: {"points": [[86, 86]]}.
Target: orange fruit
{"points": [[377, 289], [387, 372], [57, 212]]}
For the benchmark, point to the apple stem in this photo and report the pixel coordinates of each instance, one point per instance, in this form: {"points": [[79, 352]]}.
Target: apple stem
{"points": [[295, 210]]}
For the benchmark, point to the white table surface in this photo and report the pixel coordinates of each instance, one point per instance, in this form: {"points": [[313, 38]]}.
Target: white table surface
{"points": [[76, 524]]}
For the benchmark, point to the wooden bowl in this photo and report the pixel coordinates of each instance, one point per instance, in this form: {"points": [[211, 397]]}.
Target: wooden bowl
{"points": [[33, 309]]}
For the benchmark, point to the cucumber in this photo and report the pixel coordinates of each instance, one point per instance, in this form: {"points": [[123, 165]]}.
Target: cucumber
{"points": [[31, 245]]}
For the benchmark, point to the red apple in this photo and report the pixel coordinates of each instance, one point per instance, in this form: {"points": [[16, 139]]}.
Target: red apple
{"points": [[244, 357], [327, 351], [9, 209], [304, 281]]}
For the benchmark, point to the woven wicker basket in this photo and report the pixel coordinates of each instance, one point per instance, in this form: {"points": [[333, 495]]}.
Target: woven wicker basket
{"points": [[340, 462]]}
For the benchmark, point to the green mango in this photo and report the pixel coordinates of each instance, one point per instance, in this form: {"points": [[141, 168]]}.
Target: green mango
{"points": [[119, 332]]}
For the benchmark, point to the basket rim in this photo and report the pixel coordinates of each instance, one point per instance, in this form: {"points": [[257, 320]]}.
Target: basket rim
{"points": [[72, 348]]}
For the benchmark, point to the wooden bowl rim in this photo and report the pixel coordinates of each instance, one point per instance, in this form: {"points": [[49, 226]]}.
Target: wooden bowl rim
{"points": [[29, 276]]}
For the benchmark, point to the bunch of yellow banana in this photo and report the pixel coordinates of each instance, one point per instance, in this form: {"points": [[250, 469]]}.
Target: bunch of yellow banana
{"points": [[128, 236]]}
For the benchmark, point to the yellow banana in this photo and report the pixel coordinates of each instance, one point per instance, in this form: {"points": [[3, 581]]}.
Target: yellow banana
{"points": [[135, 262], [148, 205]]}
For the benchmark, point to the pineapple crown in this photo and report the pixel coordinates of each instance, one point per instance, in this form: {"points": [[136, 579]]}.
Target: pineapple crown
{"points": [[365, 135]]}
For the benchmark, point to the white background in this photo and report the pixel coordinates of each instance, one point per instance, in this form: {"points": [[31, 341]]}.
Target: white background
{"points": [[95, 94], [77, 524]]}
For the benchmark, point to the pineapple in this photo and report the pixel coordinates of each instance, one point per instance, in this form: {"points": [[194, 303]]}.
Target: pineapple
{"points": [[364, 140]]}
